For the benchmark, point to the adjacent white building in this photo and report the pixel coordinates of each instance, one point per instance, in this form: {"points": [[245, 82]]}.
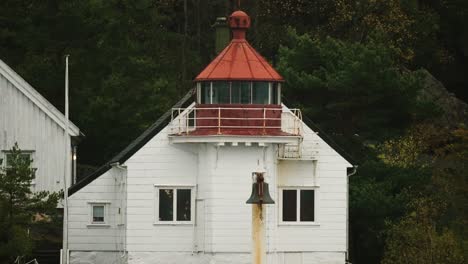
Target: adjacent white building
{"points": [[28, 119], [177, 194]]}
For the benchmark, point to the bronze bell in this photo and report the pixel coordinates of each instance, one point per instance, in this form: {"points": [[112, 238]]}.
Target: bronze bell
{"points": [[260, 193]]}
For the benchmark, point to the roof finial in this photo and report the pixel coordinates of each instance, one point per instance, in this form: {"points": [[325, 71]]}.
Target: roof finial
{"points": [[238, 4], [239, 22]]}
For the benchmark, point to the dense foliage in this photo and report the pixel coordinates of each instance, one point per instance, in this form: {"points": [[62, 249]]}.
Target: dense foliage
{"points": [[21, 210], [356, 68]]}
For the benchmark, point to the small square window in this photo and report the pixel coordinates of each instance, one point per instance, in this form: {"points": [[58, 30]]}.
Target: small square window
{"points": [[99, 213], [297, 205]]}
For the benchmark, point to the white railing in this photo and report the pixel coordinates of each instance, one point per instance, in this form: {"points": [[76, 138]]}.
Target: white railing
{"points": [[186, 120]]}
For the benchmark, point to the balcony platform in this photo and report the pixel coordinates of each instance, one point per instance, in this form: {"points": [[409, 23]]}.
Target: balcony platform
{"points": [[235, 140], [236, 124]]}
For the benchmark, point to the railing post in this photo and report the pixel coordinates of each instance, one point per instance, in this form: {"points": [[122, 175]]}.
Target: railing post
{"points": [[178, 116], [219, 120], [264, 120]]}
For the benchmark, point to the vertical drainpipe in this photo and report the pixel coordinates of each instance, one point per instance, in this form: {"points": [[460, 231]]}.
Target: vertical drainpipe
{"points": [[222, 34]]}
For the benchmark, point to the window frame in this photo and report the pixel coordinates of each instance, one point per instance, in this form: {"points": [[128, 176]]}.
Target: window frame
{"points": [[31, 153], [273, 98], [106, 222], [298, 221], [174, 204]]}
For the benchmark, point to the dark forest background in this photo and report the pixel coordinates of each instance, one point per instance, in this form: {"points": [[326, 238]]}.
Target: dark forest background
{"points": [[383, 80]]}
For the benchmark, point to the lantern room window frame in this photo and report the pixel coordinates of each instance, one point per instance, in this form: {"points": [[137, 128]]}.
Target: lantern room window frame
{"points": [[274, 92]]}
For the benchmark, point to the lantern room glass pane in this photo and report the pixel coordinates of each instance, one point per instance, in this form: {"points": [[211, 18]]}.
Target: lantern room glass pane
{"points": [[221, 93], [307, 205], [274, 94], [260, 92], [289, 205], [166, 210], [205, 92], [240, 93], [183, 205]]}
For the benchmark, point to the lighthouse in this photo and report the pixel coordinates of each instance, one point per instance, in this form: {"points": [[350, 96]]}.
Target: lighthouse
{"points": [[238, 93], [230, 174]]}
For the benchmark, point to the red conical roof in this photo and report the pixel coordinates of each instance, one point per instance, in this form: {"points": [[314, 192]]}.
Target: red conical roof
{"points": [[239, 60]]}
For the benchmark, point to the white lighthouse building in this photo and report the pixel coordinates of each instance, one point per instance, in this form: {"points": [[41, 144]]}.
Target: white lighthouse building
{"points": [[177, 194]]}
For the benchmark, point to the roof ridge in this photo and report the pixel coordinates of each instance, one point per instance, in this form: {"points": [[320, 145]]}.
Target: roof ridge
{"points": [[33, 95], [262, 60]]}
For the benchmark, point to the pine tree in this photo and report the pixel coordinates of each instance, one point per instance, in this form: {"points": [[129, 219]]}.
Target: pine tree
{"points": [[21, 208]]}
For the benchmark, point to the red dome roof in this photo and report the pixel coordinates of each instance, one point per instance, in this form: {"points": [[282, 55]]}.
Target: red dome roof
{"points": [[239, 60]]}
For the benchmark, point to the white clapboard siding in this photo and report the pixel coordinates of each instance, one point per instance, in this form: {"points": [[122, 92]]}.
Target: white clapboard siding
{"points": [[221, 179], [109, 189], [28, 119], [157, 163]]}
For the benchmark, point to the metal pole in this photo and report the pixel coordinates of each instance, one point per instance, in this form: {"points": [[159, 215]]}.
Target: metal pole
{"points": [[66, 170]]}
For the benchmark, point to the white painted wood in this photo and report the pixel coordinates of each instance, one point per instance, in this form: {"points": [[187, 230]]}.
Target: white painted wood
{"points": [[221, 176], [83, 235], [30, 120]]}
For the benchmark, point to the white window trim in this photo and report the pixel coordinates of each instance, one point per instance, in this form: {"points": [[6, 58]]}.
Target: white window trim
{"points": [[31, 153], [298, 211], [106, 222], [175, 188]]}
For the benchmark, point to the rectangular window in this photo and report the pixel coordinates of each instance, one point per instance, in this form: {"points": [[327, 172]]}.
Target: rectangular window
{"points": [[221, 93], [23, 157], [297, 205], [205, 90], [174, 205], [166, 202], [289, 205], [260, 92], [240, 93], [99, 213]]}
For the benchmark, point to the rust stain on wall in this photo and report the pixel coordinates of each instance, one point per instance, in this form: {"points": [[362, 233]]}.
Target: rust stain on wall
{"points": [[258, 234]]}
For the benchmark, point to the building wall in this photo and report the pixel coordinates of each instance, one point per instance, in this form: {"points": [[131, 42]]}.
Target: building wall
{"points": [[161, 163], [109, 188], [326, 173], [221, 180], [24, 122]]}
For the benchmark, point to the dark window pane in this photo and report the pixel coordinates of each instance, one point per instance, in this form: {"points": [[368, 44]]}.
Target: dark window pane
{"points": [[205, 92], [260, 93], [274, 96], [166, 211], [240, 93], [98, 213], [22, 158], [289, 205], [221, 93], [307, 205], [183, 205]]}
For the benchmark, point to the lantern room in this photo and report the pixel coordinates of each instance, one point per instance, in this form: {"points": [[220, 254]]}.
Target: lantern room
{"points": [[238, 93]]}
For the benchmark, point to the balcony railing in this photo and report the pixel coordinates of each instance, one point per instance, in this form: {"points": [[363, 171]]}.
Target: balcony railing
{"points": [[236, 121]]}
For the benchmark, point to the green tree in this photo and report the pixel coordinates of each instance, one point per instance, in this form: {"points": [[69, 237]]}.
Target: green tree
{"points": [[350, 88], [20, 208], [416, 238]]}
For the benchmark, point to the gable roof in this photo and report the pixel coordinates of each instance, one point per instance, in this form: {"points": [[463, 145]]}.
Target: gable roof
{"points": [[33, 95], [134, 146]]}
